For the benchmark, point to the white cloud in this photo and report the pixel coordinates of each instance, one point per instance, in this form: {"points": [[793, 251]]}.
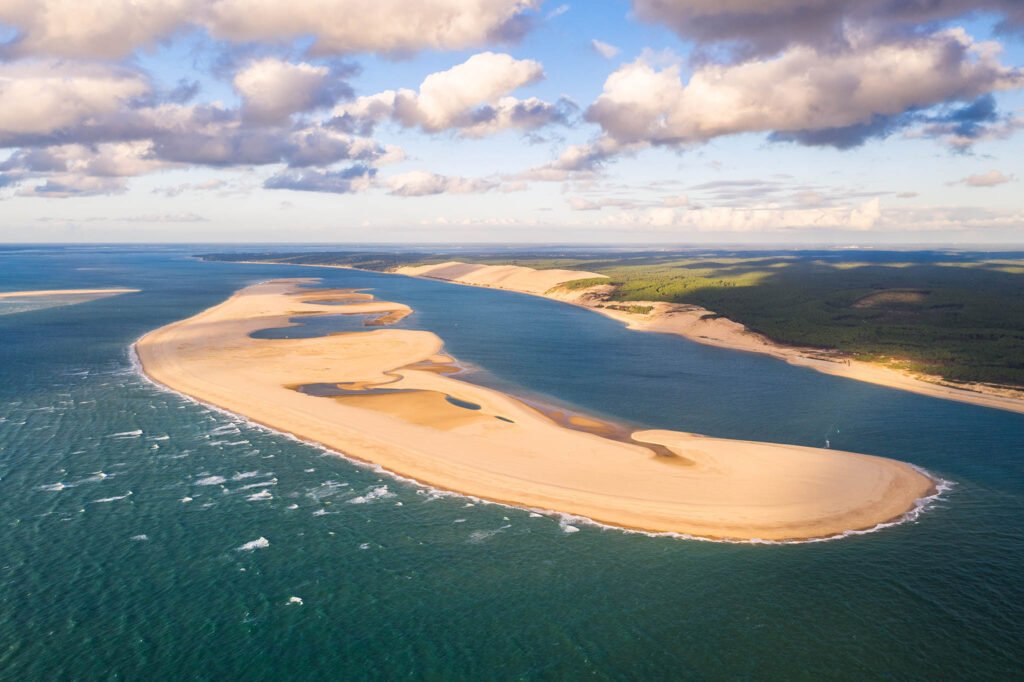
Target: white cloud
{"points": [[471, 97], [273, 90], [103, 29], [604, 49], [109, 29], [422, 183], [343, 26], [759, 218], [41, 97], [990, 179], [800, 92]]}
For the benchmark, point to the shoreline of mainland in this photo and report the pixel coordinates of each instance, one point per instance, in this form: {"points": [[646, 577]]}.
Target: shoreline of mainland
{"points": [[393, 409]]}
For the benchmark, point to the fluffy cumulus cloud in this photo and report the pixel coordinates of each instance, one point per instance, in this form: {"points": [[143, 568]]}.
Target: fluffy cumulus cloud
{"points": [[471, 98], [39, 98], [115, 28], [804, 94], [767, 26], [273, 89]]}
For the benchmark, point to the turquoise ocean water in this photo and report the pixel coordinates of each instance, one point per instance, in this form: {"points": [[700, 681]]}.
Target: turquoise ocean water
{"points": [[144, 536]]}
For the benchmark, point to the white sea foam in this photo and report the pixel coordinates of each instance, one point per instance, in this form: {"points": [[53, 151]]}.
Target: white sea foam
{"points": [[245, 474], [379, 493], [55, 487], [211, 480], [185, 500], [140, 538], [295, 600], [260, 484], [259, 543], [126, 434], [365, 545], [292, 506], [479, 536], [261, 495], [535, 515], [103, 500]]}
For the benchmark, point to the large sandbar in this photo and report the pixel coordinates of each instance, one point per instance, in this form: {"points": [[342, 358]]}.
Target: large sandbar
{"points": [[394, 408]]}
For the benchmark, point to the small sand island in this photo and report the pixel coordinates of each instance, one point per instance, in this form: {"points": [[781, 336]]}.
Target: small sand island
{"points": [[85, 294], [38, 299], [389, 397]]}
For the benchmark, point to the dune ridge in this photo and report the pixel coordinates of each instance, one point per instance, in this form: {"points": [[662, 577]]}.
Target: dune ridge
{"points": [[495, 447]]}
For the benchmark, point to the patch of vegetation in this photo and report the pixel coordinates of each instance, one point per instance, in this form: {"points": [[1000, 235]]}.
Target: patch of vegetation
{"points": [[633, 309], [577, 284]]}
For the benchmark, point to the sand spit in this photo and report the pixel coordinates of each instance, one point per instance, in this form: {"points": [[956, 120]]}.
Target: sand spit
{"points": [[91, 293], [704, 326], [427, 425]]}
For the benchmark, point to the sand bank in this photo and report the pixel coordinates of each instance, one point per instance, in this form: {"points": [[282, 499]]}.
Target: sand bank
{"points": [[92, 293], [704, 326], [425, 424]]}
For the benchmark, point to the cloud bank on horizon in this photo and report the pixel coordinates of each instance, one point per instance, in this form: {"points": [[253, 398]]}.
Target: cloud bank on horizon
{"points": [[513, 120]]}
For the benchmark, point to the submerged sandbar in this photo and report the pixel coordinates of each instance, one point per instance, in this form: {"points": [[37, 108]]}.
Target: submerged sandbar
{"points": [[393, 408]]}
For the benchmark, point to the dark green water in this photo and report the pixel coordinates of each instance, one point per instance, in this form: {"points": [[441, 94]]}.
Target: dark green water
{"points": [[124, 511]]}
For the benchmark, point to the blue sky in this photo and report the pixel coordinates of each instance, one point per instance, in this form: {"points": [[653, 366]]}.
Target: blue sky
{"points": [[842, 122]]}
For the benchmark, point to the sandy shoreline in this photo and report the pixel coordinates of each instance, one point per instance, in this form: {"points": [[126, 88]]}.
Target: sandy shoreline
{"points": [[396, 407]]}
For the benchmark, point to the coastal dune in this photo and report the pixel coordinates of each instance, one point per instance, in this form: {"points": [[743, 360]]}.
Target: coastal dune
{"points": [[387, 396], [511, 277]]}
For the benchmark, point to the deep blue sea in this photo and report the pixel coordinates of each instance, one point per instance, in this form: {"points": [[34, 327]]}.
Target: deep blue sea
{"points": [[146, 537]]}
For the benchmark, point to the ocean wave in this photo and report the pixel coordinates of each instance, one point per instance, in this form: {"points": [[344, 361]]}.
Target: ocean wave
{"points": [[211, 480], [378, 493], [246, 474], [104, 500], [479, 536], [260, 484], [260, 496], [259, 543], [126, 434]]}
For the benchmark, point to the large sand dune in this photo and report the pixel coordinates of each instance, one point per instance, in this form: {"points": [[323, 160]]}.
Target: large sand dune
{"points": [[511, 277]]}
